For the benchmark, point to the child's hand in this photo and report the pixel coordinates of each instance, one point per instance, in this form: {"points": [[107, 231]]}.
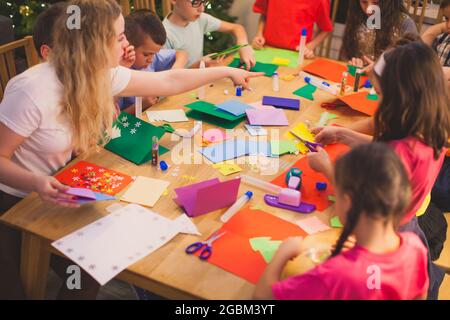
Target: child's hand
{"points": [[212, 62], [258, 42], [370, 65], [320, 161], [242, 77], [309, 52], [290, 248], [54, 192], [247, 57], [129, 57], [327, 135], [150, 101], [357, 62]]}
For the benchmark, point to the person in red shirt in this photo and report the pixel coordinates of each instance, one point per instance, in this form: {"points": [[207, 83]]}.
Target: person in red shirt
{"points": [[281, 23]]}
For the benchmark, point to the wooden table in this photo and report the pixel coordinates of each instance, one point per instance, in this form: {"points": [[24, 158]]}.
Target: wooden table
{"points": [[168, 272]]}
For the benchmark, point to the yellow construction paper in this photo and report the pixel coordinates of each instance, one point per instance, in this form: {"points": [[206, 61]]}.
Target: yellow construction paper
{"points": [[281, 61], [301, 131], [145, 191]]}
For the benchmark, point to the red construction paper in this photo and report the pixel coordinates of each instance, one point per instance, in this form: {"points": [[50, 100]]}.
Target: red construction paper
{"points": [[310, 177], [233, 252], [331, 70], [359, 102], [90, 176]]}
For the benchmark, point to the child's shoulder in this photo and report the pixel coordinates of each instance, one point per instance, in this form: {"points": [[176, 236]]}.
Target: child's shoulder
{"points": [[412, 241]]}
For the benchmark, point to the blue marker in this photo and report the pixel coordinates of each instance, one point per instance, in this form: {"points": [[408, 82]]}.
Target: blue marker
{"points": [[321, 84]]}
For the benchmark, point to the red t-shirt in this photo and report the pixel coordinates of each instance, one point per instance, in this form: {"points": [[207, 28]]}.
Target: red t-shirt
{"points": [[399, 275], [286, 18], [422, 169]]}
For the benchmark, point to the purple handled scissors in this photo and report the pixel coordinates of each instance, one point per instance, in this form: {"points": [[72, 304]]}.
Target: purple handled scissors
{"points": [[312, 146], [207, 250]]}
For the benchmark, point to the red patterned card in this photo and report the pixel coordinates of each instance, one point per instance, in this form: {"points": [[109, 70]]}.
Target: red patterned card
{"points": [[90, 176]]}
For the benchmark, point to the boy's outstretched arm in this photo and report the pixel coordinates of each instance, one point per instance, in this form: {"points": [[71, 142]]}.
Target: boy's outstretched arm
{"points": [[239, 33]]}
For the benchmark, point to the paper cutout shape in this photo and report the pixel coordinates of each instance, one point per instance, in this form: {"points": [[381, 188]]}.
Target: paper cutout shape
{"points": [[266, 247], [90, 176], [281, 61], [167, 115], [312, 225], [301, 131], [268, 68], [306, 92], [280, 147], [215, 135], [269, 117], [331, 70], [135, 143], [207, 196], [359, 102], [372, 97], [145, 191], [83, 196], [256, 130], [268, 54], [283, 103], [335, 222], [227, 168], [234, 107], [111, 244], [235, 254], [310, 177], [207, 112], [232, 149]]}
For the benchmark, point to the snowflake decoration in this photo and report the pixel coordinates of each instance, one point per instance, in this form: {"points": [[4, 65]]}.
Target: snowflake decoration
{"points": [[101, 170], [89, 168], [124, 118], [75, 179], [137, 124], [74, 170], [133, 131], [126, 125]]}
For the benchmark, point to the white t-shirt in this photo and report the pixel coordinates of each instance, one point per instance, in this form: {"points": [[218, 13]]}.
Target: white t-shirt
{"points": [[31, 109], [190, 38]]}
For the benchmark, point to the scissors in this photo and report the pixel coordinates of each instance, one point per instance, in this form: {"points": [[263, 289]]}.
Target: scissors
{"points": [[207, 250], [332, 105], [312, 146]]}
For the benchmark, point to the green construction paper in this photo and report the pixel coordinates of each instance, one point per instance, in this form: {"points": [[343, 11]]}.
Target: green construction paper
{"points": [[212, 110], [196, 115], [228, 51], [352, 70], [306, 92], [332, 116], [135, 141], [335, 222], [280, 147], [259, 243], [268, 68], [266, 247], [267, 55], [373, 97], [331, 198]]}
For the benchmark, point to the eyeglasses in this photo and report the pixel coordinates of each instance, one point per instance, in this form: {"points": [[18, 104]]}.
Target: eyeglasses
{"points": [[198, 3]]}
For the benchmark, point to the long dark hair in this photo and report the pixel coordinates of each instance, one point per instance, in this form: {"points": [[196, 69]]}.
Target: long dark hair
{"points": [[377, 183], [392, 12], [415, 99]]}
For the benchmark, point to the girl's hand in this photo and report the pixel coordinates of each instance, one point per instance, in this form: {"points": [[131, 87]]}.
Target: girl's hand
{"points": [[327, 135], [319, 161], [357, 62], [258, 42], [242, 77], [370, 64], [291, 248], [348, 244], [54, 192], [129, 57], [247, 57]]}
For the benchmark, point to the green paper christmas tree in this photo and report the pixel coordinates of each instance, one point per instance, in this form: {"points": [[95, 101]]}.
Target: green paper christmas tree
{"points": [[265, 246]]}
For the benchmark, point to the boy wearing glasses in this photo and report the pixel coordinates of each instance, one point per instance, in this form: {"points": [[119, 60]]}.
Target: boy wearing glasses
{"points": [[186, 25]]}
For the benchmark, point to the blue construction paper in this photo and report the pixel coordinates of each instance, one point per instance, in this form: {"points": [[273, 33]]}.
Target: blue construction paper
{"points": [[232, 149], [234, 107], [284, 103]]}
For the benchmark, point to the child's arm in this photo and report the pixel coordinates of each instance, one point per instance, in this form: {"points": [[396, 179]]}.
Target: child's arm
{"points": [[259, 41], [311, 46], [433, 32], [289, 249], [365, 126], [181, 59], [320, 162], [333, 134], [238, 31], [173, 82]]}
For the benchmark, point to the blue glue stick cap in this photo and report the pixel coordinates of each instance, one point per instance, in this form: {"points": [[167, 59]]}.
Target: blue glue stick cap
{"points": [[321, 186], [367, 84], [307, 79], [163, 165], [304, 32], [249, 194]]}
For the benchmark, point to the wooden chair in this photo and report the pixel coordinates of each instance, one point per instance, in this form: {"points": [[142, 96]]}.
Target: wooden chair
{"points": [[325, 47], [145, 4], [415, 13], [7, 61]]}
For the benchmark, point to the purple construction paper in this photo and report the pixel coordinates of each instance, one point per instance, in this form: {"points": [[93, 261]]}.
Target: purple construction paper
{"points": [[187, 196], [269, 117], [284, 103], [81, 193]]}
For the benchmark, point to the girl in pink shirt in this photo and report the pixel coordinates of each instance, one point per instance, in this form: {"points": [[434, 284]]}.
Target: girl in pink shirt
{"points": [[383, 264]]}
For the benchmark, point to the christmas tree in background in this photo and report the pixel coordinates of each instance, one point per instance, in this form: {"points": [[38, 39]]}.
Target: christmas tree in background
{"points": [[216, 41]]}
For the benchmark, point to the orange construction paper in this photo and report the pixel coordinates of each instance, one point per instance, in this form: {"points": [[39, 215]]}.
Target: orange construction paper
{"points": [[331, 70], [233, 252], [310, 177], [359, 102]]}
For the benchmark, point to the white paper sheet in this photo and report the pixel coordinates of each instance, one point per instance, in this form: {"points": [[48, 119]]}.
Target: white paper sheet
{"points": [[177, 115]]}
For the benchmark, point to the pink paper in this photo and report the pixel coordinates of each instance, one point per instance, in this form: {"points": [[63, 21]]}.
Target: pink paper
{"points": [[312, 225], [207, 196], [269, 117], [215, 135], [259, 105], [82, 193]]}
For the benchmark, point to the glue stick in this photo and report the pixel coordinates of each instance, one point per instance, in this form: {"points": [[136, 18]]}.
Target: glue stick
{"points": [[302, 47], [155, 151], [357, 79], [138, 107], [276, 82], [201, 90], [344, 83], [238, 205]]}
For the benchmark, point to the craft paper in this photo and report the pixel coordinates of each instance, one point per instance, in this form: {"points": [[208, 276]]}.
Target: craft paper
{"points": [[145, 191], [209, 113], [306, 92], [331, 70], [312, 225], [135, 142], [361, 103], [267, 68], [167, 115], [280, 147], [372, 97], [301, 131], [90, 176], [227, 168], [281, 61], [234, 107], [335, 222], [111, 244], [269, 117], [259, 105], [265, 246], [284, 103], [233, 251], [215, 135], [268, 54], [83, 196], [232, 149], [310, 177], [256, 130], [207, 196], [352, 70]]}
